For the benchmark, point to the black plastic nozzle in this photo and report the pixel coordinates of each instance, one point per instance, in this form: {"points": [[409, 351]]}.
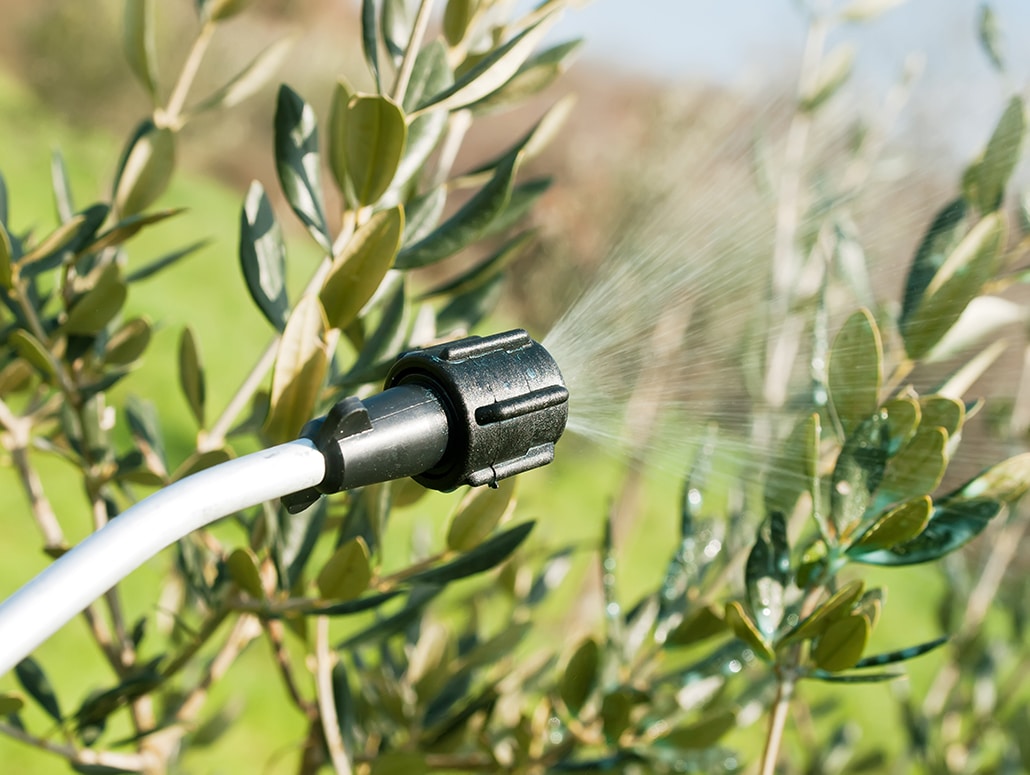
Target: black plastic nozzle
{"points": [[473, 411]]}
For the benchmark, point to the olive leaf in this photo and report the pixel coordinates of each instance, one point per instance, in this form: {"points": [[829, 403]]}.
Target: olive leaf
{"points": [[242, 566], [855, 372], [857, 473], [297, 162], [347, 572], [943, 236], [468, 223], [985, 180], [360, 267], [841, 644], [37, 685], [300, 367], [745, 628], [191, 374], [489, 554], [492, 72], [767, 573], [94, 309], [479, 513], [580, 676], [251, 79], [370, 41], [139, 42], [263, 256], [145, 169], [367, 138], [899, 525], [833, 72]]}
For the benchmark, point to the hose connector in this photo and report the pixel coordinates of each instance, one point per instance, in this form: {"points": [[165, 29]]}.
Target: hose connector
{"points": [[472, 411]]}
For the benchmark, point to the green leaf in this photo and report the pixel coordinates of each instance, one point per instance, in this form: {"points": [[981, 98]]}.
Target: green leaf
{"points": [[263, 256], [360, 267], [745, 629], [370, 40], [493, 71], [191, 374], [833, 72], [346, 574], [901, 655], [242, 566], [15, 376], [128, 343], [467, 310], [959, 279], [942, 412], [422, 214], [338, 160], [298, 163], [142, 418], [952, 525], [1006, 481], [794, 469], [487, 555], [479, 513], [899, 525], [700, 625], [456, 17], [484, 271], [838, 606], [3, 202], [251, 79], [36, 684], [10, 703], [124, 229], [616, 708], [374, 135], [466, 225], [903, 418], [62, 187], [139, 43], [857, 473], [164, 262], [535, 75], [6, 262], [57, 240], [299, 371], [101, 769], [431, 74], [33, 351], [701, 734], [99, 305], [841, 645], [855, 373], [767, 573], [941, 239], [984, 182], [990, 37], [580, 676], [146, 169], [918, 468], [396, 23]]}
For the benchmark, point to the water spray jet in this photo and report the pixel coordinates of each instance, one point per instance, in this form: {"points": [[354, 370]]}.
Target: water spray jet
{"points": [[473, 411]]}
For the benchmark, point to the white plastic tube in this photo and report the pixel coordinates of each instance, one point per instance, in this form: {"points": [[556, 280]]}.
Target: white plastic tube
{"points": [[77, 578]]}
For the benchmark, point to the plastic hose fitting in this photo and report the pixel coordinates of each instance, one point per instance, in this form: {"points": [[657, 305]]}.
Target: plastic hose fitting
{"points": [[472, 411]]}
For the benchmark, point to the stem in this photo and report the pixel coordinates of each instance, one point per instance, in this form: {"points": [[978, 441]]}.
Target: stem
{"points": [[282, 659], [84, 756], [777, 723], [418, 32], [172, 114], [326, 702]]}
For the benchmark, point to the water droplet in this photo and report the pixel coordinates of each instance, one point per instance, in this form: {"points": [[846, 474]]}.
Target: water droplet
{"points": [[694, 497], [712, 548], [734, 666]]}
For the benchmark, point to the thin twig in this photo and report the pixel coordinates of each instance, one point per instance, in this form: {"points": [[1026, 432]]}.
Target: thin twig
{"points": [[276, 637], [326, 701], [777, 723], [81, 756], [172, 114]]}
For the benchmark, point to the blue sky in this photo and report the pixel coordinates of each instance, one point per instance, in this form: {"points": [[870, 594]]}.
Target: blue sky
{"points": [[756, 44]]}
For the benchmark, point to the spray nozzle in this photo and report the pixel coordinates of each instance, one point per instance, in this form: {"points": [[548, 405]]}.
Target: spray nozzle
{"points": [[472, 411]]}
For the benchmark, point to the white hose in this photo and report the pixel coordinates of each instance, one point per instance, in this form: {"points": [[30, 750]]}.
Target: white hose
{"points": [[77, 578]]}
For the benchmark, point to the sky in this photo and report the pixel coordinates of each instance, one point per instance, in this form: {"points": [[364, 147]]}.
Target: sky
{"points": [[756, 45]]}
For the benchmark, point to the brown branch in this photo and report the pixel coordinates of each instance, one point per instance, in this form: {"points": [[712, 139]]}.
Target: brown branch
{"points": [[81, 756], [277, 639]]}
